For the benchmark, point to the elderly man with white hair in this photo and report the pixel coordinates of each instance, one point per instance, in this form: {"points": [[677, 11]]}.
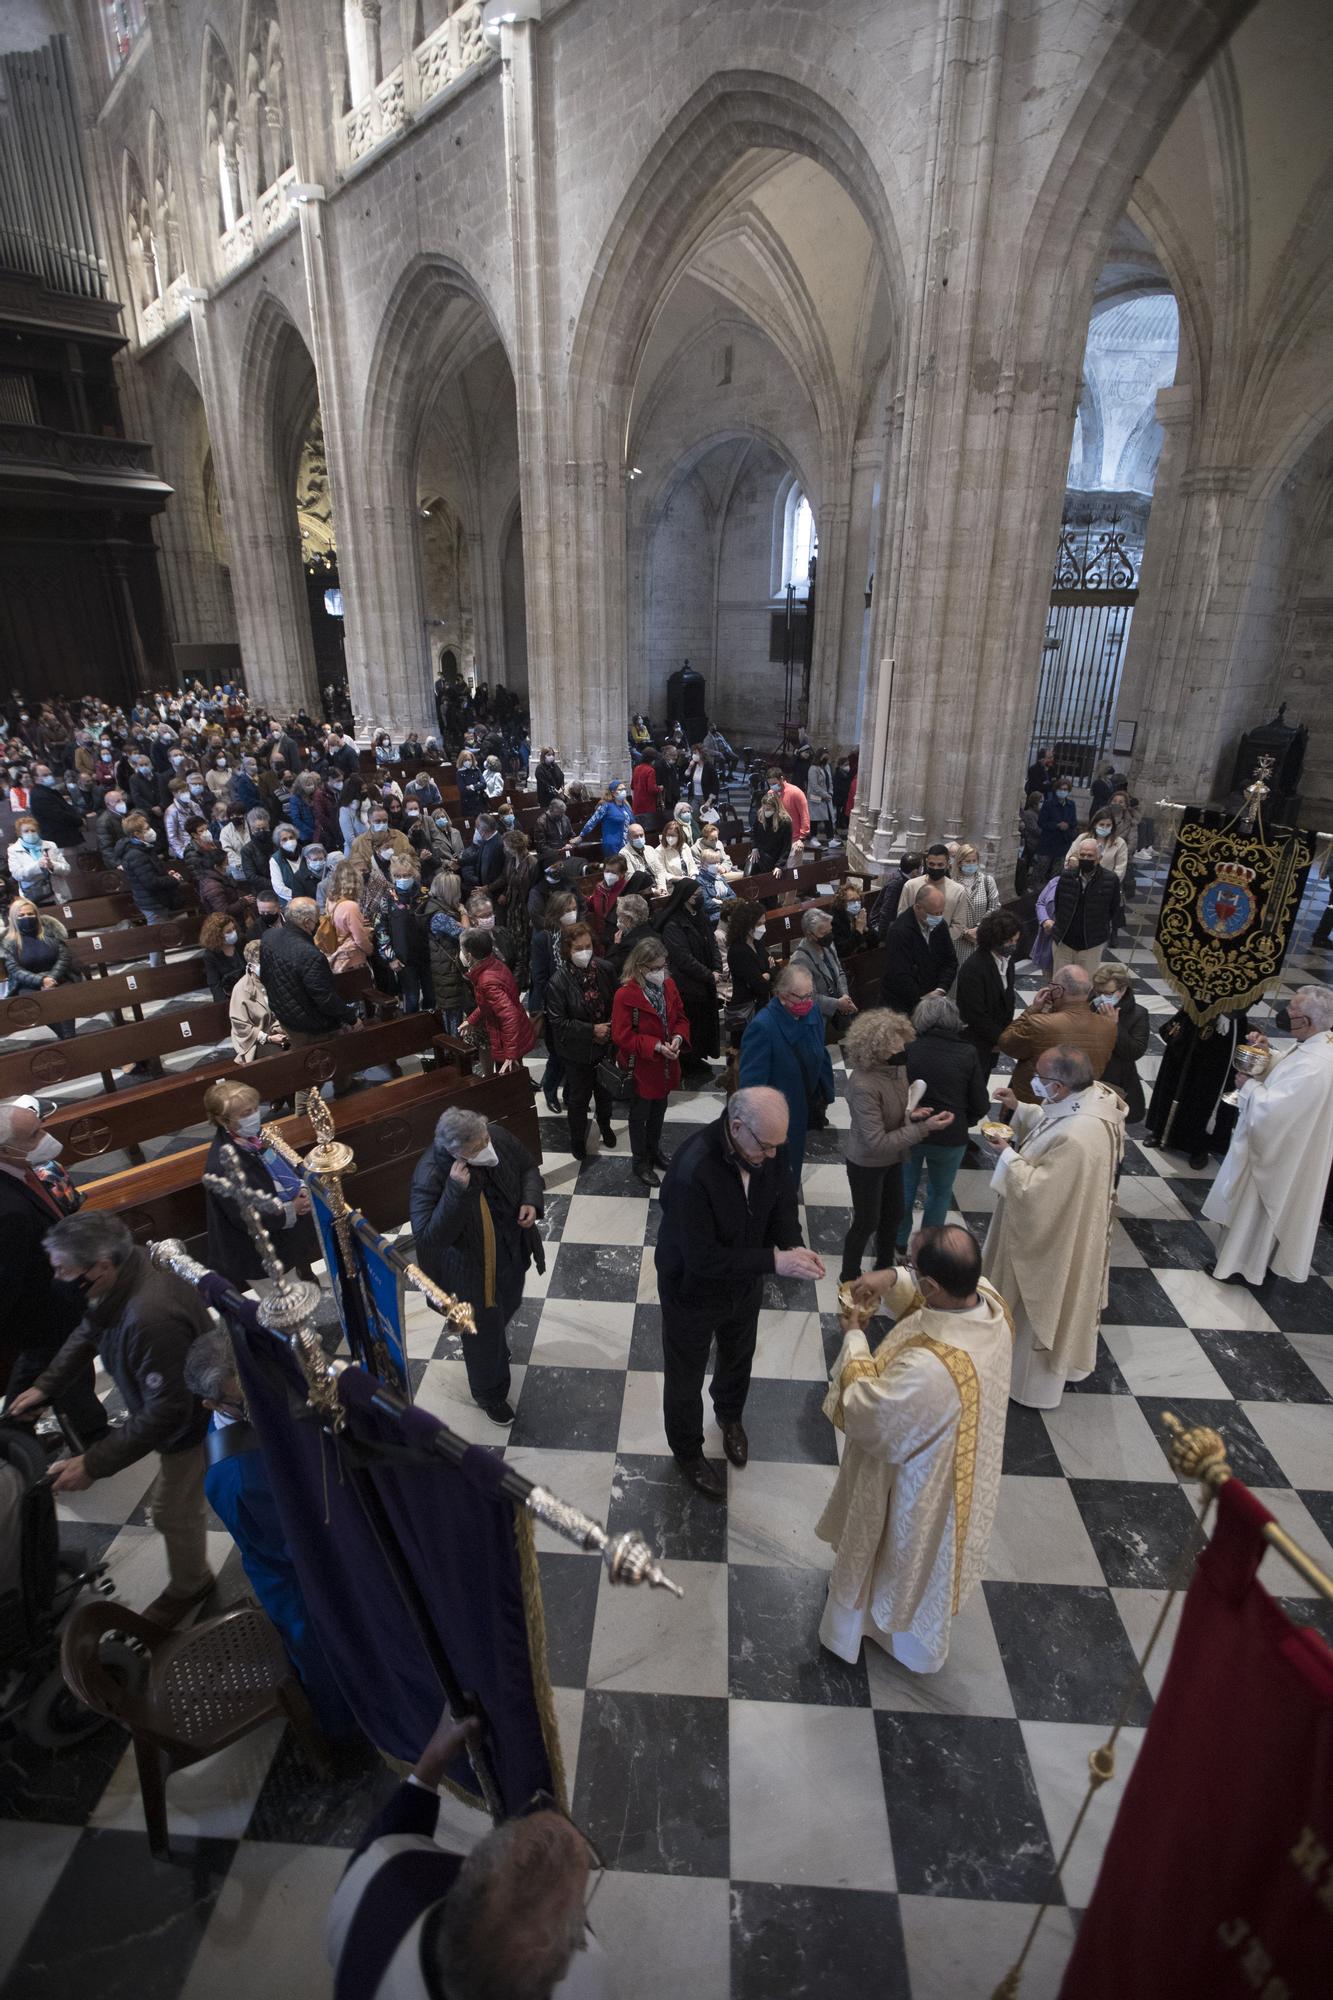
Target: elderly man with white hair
{"points": [[476, 1196], [1268, 1193]]}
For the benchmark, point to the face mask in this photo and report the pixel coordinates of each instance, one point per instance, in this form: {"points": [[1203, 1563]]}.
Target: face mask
{"points": [[548, 757], [150, 836], [657, 978], [968, 868], [1103, 833], [267, 918], [47, 780], [33, 842], [386, 854], [47, 1148], [1041, 1090], [620, 798], [933, 922], [315, 867], [221, 763], [569, 917], [583, 957], [506, 819], [483, 923], [638, 843], [27, 926], [248, 1126], [672, 842], [288, 846], [487, 1157], [936, 870], [800, 1008], [1062, 795], [610, 878], [759, 934], [442, 821], [414, 812], [229, 937], [853, 909], [1087, 867], [402, 883], [196, 789]]}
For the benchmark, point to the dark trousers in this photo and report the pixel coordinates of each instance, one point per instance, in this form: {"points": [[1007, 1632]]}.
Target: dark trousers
{"points": [[77, 1405], [416, 988], [877, 1210], [687, 1332], [645, 1126], [582, 1089], [486, 1352]]}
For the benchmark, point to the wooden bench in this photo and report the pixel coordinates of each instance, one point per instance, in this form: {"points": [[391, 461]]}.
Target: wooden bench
{"points": [[83, 882], [98, 913], [101, 949], [89, 1127], [105, 1050], [865, 975], [388, 1128], [77, 999]]}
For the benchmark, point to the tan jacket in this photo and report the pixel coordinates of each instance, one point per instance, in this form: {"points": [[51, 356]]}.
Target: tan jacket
{"points": [[880, 1135], [251, 1017], [1074, 1027]]}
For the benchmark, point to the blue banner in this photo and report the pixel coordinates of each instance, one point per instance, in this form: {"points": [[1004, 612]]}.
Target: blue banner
{"points": [[382, 1290]]}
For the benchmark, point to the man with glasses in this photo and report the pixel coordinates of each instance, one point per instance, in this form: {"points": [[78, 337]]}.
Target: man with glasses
{"points": [[410, 1921], [729, 1220], [1271, 1185]]}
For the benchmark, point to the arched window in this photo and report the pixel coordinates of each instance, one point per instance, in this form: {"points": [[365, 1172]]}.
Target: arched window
{"points": [[800, 544], [122, 21], [222, 134], [268, 132], [356, 38], [140, 246]]}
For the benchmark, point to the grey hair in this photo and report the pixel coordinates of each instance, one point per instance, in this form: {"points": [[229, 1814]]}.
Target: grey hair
{"points": [[937, 1011], [1071, 1067], [1073, 980], [459, 1127], [484, 823], [1318, 1004], [255, 814], [815, 920], [210, 1365], [789, 975], [89, 1237]]}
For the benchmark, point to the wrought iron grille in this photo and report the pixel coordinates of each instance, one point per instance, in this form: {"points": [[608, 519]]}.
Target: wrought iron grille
{"points": [[1094, 589]]}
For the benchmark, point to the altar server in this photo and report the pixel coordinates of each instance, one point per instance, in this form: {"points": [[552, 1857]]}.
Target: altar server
{"points": [[911, 1514]]}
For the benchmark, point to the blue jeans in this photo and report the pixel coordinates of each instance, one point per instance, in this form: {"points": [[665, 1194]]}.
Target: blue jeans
{"points": [[941, 1164]]}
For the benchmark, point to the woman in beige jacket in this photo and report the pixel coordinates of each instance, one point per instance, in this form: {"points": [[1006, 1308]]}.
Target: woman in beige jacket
{"points": [[882, 1133], [254, 1029]]}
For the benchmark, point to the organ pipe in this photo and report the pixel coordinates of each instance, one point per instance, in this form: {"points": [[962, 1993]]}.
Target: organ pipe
{"points": [[46, 216]]}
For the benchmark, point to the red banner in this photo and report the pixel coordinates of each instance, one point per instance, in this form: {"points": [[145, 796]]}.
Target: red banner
{"points": [[1218, 1878]]}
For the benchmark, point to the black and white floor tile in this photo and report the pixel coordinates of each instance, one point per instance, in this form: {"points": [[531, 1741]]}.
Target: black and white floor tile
{"points": [[774, 1822]]}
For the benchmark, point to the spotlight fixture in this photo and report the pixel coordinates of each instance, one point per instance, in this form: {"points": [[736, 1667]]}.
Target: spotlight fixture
{"points": [[497, 14]]}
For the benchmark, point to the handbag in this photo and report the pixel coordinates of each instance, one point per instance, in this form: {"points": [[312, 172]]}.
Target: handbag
{"points": [[736, 1018], [617, 1078]]}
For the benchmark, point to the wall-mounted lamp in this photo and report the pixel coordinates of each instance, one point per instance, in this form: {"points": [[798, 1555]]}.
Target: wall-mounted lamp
{"points": [[300, 192], [497, 14]]}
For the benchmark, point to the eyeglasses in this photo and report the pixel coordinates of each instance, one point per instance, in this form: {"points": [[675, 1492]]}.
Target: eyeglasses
{"points": [[768, 1151]]}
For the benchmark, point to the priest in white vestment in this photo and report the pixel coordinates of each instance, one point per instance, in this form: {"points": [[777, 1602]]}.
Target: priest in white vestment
{"points": [[1270, 1188], [911, 1514], [1048, 1249]]}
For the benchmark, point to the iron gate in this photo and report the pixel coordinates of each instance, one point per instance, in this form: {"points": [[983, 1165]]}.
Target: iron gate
{"points": [[1093, 594]]}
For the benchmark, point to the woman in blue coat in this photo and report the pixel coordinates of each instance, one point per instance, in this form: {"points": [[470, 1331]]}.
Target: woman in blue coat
{"points": [[614, 816], [784, 1047]]}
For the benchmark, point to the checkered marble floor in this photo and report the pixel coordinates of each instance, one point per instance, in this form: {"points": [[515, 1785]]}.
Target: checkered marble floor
{"points": [[774, 1822]]}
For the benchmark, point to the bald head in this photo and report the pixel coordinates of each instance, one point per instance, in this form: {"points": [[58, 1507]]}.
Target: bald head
{"points": [[757, 1121], [304, 914], [928, 902], [947, 1259], [1072, 986]]}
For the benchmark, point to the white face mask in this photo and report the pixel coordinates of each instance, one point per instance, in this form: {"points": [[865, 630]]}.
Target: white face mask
{"points": [[487, 1157], [46, 1149], [248, 1126], [150, 836], [229, 937], [759, 934], [657, 978], [583, 957], [610, 877], [569, 916], [671, 841], [853, 909], [1103, 833], [1042, 1090]]}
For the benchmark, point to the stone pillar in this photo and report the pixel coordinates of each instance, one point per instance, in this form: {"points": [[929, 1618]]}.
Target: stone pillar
{"points": [[267, 580], [830, 584], [835, 697], [389, 672]]}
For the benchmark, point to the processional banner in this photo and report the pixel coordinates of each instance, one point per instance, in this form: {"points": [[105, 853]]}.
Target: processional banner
{"points": [[1217, 1881], [1228, 910], [367, 1288]]}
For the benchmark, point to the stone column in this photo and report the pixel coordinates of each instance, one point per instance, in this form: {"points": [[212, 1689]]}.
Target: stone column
{"points": [[267, 580], [835, 698], [830, 584]]}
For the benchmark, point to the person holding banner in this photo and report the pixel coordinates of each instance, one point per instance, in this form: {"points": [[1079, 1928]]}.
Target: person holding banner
{"points": [[1270, 1188], [476, 1196]]}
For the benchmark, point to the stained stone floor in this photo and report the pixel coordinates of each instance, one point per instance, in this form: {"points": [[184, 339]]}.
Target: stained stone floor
{"points": [[775, 1823]]}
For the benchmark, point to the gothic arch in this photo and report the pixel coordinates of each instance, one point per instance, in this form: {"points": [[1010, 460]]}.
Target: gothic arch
{"points": [[220, 133], [140, 246], [162, 194], [693, 173], [266, 117]]}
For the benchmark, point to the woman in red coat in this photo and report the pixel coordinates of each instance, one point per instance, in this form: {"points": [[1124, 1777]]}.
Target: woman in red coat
{"points": [[508, 1026], [655, 1041], [643, 788], [601, 902]]}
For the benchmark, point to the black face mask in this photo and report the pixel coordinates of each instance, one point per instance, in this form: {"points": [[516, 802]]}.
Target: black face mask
{"points": [[27, 926], [1087, 867], [936, 872], [267, 917]]}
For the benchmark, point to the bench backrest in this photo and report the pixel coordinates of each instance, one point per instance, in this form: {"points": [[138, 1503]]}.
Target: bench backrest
{"points": [[388, 1128], [98, 913], [109, 1124], [77, 999], [175, 1030], [119, 947]]}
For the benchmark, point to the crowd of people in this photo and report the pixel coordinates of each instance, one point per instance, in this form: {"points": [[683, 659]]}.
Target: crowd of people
{"points": [[622, 932]]}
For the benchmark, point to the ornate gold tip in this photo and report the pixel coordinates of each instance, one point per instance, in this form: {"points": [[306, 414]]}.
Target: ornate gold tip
{"points": [[1008, 1986], [1101, 1765], [1197, 1454], [456, 1311]]}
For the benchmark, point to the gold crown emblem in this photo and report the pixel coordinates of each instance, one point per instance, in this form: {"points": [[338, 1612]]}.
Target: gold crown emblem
{"points": [[1235, 872]]}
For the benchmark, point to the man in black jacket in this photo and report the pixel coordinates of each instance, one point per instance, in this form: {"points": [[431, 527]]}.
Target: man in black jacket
{"points": [[258, 849], [483, 860], [109, 826], [886, 904], [296, 977], [40, 1312], [141, 1321], [57, 819], [919, 954], [985, 991], [729, 1220], [667, 771], [1088, 911], [476, 1196]]}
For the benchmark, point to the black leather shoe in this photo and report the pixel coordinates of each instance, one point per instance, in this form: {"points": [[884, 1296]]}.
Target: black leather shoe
{"points": [[500, 1413], [608, 1135], [703, 1477], [643, 1172], [736, 1445], [661, 1160]]}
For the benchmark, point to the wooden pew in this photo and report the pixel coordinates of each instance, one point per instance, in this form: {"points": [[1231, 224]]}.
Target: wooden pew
{"points": [[42, 1065], [388, 1128], [92, 1126], [81, 883], [98, 913], [78, 999], [101, 949]]}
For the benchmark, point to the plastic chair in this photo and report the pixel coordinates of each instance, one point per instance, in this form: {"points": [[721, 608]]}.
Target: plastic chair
{"points": [[204, 1689]]}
